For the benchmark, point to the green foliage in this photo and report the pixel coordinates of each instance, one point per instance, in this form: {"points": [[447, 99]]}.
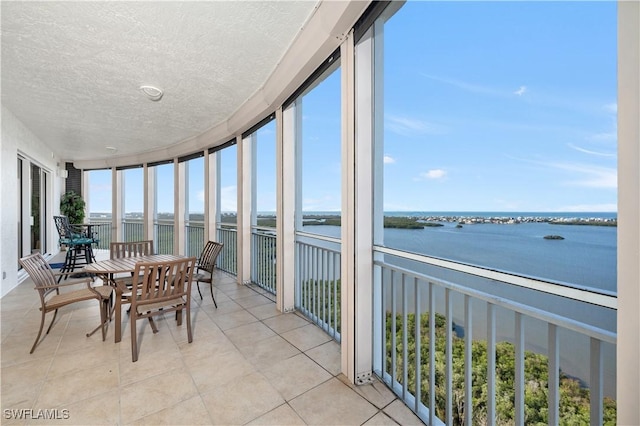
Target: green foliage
{"points": [[574, 398], [72, 205]]}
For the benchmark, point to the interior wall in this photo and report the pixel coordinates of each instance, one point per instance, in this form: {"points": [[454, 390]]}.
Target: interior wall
{"points": [[18, 138]]}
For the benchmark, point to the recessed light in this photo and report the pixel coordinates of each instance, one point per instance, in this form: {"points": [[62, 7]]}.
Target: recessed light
{"points": [[111, 149], [152, 92]]}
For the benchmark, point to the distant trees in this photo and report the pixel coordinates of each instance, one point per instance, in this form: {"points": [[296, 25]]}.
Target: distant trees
{"points": [[574, 398]]}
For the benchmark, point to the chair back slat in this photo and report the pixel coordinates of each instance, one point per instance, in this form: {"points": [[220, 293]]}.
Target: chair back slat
{"points": [[40, 272], [209, 256], [119, 250], [160, 281]]}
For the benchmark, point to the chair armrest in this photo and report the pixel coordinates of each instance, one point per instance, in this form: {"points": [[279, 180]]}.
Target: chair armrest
{"points": [[88, 281]]}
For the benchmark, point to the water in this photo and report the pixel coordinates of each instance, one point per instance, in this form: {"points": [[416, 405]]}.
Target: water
{"points": [[585, 258]]}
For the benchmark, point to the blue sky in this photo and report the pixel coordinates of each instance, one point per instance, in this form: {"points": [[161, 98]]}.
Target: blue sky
{"points": [[488, 106]]}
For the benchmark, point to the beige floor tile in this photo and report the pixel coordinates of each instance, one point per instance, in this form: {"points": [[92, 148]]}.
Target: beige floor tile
{"points": [[149, 396], [189, 412], [203, 348], [268, 352], [252, 300], [328, 356], [285, 322], [30, 373], [79, 385], [282, 415], [380, 419], [376, 392], [86, 358], [401, 413], [307, 337], [249, 334], [242, 400], [264, 311], [346, 406], [233, 319], [148, 365], [103, 409], [295, 375], [219, 369]]}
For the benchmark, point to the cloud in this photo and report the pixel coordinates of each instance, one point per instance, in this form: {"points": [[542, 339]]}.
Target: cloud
{"points": [[407, 126], [586, 151], [612, 107], [521, 91], [389, 160], [469, 87], [592, 176], [229, 198], [200, 195], [434, 174]]}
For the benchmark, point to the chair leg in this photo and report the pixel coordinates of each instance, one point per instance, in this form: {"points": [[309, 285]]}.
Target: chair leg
{"points": [[214, 299], [55, 313], [189, 333], [33, 348], [198, 286], [134, 340]]}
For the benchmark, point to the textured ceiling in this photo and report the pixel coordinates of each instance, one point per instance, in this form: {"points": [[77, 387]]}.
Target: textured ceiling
{"points": [[71, 71]]}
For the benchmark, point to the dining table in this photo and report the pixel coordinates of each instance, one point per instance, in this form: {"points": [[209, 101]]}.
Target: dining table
{"points": [[108, 271]]}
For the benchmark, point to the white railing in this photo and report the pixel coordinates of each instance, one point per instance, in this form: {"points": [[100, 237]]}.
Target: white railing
{"points": [[263, 258], [433, 369], [318, 281]]}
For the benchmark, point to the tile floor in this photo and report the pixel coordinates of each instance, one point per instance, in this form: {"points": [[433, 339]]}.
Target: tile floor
{"points": [[248, 364]]}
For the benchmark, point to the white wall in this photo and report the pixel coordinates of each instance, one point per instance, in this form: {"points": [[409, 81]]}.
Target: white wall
{"points": [[17, 138]]}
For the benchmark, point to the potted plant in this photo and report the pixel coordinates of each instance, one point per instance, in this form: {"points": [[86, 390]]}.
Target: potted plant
{"points": [[72, 205]]}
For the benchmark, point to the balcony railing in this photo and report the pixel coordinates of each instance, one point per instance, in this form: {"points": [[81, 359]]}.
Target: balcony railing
{"points": [[227, 260], [102, 233], [459, 355], [263, 258], [132, 230], [195, 238], [163, 238], [318, 281]]}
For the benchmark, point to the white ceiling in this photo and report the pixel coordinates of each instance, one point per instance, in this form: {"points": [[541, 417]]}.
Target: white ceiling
{"points": [[71, 71]]}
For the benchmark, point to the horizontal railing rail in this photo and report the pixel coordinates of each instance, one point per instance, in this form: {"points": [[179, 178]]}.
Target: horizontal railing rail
{"points": [[419, 354]]}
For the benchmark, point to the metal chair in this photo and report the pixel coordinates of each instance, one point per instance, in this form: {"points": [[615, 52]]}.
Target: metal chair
{"points": [[207, 263], [78, 246], [52, 299]]}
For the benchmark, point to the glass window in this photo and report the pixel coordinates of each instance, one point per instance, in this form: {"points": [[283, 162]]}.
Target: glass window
{"points": [[319, 110]]}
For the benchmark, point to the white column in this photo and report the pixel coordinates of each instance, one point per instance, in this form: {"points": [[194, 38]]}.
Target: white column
{"points": [[117, 182], [357, 212], [180, 205], [211, 195], [286, 208], [245, 192], [628, 345], [149, 208]]}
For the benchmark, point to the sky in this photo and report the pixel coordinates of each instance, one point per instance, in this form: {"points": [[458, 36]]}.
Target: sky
{"points": [[488, 106]]}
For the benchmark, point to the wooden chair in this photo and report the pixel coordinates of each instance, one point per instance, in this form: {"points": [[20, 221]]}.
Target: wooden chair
{"points": [[158, 288], [207, 263], [118, 250], [51, 299]]}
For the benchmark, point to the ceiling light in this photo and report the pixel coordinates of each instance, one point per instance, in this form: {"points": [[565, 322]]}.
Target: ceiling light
{"points": [[153, 93], [111, 149]]}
